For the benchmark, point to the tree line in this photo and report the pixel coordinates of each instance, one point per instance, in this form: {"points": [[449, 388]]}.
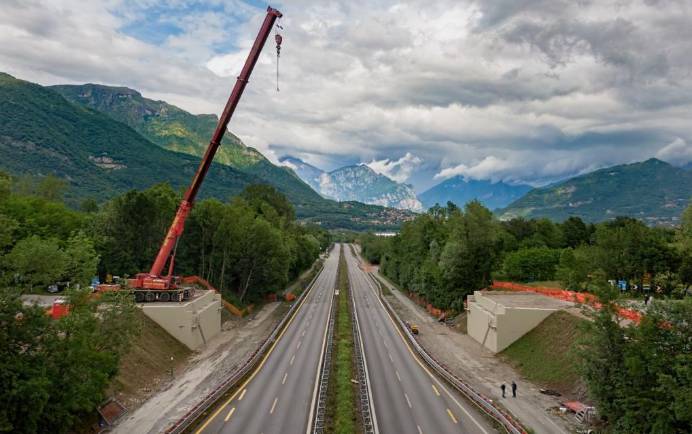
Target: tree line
{"points": [[448, 252], [54, 373]]}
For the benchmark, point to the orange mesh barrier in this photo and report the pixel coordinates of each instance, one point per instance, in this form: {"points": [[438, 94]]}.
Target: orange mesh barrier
{"points": [[572, 296]]}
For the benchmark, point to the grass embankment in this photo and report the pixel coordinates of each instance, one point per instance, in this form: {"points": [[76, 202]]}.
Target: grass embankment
{"points": [[547, 354], [342, 394], [147, 364]]}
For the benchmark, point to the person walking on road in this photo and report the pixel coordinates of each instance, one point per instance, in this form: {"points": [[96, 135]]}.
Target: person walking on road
{"points": [[503, 389], [514, 389]]}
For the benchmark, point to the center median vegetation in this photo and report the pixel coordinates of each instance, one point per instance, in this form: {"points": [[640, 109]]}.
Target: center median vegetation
{"points": [[342, 393]]}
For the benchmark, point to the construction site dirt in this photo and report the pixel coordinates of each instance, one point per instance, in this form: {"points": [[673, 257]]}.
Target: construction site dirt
{"points": [[203, 371], [484, 371]]}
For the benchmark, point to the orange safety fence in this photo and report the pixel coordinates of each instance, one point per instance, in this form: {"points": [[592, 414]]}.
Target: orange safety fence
{"points": [[572, 296]]}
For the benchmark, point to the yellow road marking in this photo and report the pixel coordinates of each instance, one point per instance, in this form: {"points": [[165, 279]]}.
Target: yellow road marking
{"points": [[230, 413], [437, 392], [259, 367], [454, 419], [284, 380], [271, 411], [410, 350], [240, 398]]}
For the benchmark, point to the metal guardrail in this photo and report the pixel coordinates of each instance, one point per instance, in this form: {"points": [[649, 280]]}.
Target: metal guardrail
{"points": [[363, 385], [246, 367], [485, 404], [318, 424]]}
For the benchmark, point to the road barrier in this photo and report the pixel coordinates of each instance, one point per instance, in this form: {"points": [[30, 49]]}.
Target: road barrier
{"points": [[366, 411], [485, 404], [321, 411], [245, 368]]}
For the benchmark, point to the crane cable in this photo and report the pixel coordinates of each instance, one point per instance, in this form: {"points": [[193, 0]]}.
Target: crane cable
{"points": [[278, 39]]}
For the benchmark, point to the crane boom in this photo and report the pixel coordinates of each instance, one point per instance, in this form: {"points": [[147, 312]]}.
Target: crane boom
{"points": [[154, 279]]}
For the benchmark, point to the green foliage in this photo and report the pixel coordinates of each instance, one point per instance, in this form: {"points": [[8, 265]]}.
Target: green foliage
{"points": [[531, 264], [651, 190], [640, 376], [36, 262], [53, 373]]}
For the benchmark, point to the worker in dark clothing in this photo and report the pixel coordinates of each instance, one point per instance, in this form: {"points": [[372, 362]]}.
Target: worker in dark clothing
{"points": [[514, 389], [503, 389]]}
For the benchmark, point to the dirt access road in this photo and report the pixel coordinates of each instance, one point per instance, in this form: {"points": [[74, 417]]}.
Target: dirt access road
{"points": [[222, 355], [479, 367]]}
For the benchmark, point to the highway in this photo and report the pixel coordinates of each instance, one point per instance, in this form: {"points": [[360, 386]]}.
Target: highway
{"points": [[278, 396], [407, 397]]}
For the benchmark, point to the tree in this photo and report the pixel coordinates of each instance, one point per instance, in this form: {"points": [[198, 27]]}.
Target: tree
{"points": [[82, 260], [51, 188], [37, 262], [575, 232], [537, 263]]}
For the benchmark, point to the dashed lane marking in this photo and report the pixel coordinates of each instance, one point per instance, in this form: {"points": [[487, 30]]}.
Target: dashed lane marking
{"points": [[408, 401], [271, 411], [420, 431], [240, 398], [298, 346], [230, 413], [437, 392], [284, 379], [293, 359], [397, 376], [451, 415]]}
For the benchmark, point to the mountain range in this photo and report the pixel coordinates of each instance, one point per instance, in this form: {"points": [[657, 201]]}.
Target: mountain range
{"points": [[106, 140], [460, 191], [358, 182], [652, 190]]}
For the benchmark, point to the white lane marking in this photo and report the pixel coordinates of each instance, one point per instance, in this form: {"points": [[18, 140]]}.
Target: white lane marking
{"points": [[293, 359], [451, 415], [228, 416], [303, 334], [437, 392], [397, 376], [420, 431], [242, 394], [284, 380], [408, 401], [391, 359], [271, 411], [298, 346]]}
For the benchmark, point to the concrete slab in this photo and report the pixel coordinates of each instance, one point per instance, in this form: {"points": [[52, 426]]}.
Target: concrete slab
{"points": [[193, 322], [497, 318]]}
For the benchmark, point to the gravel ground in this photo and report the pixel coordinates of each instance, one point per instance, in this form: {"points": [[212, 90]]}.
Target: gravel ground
{"points": [[481, 369], [206, 369]]}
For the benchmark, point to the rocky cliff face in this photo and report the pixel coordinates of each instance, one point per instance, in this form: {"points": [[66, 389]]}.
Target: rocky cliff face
{"points": [[359, 183]]}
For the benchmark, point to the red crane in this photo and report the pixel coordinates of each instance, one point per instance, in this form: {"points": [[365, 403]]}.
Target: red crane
{"points": [[153, 286]]}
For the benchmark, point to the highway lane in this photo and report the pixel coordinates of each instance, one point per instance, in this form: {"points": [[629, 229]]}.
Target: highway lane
{"points": [[278, 397], [407, 397]]}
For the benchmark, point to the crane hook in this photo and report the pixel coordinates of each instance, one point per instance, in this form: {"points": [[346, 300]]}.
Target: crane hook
{"points": [[278, 40]]}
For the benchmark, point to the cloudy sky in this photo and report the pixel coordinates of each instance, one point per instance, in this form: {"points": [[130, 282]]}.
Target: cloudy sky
{"points": [[515, 90]]}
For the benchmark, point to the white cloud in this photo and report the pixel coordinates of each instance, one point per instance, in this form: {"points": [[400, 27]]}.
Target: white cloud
{"points": [[533, 90], [677, 152], [399, 170]]}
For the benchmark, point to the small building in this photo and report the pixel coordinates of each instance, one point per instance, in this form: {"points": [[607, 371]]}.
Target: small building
{"points": [[498, 318]]}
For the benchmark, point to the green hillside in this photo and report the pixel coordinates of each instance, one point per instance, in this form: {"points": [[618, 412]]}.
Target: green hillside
{"points": [[41, 133], [653, 191], [177, 130]]}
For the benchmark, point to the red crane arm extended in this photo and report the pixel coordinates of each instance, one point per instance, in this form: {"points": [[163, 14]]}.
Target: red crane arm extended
{"points": [[178, 224]]}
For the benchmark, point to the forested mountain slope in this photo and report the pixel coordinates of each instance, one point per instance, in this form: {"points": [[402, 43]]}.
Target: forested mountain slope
{"points": [[42, 133], [652, 190]]}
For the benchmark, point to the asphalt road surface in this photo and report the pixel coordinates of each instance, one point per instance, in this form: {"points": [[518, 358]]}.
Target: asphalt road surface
{"points": [[407, 397], [278, 397]]}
